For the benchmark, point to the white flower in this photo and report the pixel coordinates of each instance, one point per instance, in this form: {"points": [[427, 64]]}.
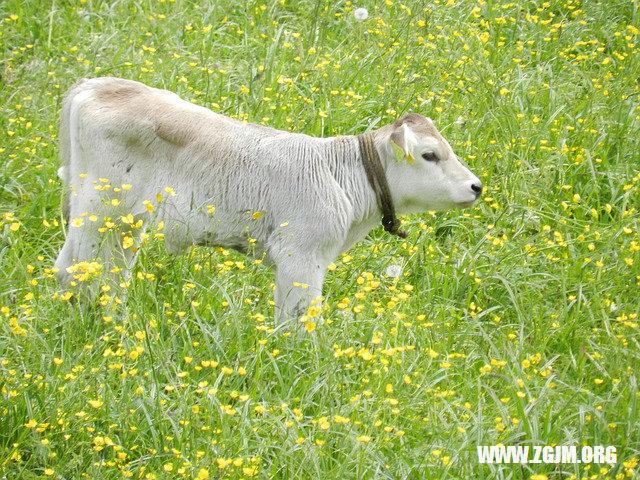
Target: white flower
{"points": [[361, 13], [393, 271]]}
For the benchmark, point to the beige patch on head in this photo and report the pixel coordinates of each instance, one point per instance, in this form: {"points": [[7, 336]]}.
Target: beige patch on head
{"points": [[418, 124], [422, 127]]}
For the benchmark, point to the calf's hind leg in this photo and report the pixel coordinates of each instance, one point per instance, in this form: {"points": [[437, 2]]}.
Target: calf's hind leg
{"points": [[90, 258]]}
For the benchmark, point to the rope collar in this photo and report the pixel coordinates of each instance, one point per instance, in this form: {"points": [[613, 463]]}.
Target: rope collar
{"points": [[378, 181]]}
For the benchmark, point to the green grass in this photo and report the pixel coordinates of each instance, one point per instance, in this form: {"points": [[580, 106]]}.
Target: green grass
{"points": [[514, 322]]}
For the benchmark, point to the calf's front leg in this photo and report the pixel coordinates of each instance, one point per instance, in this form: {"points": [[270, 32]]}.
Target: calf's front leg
{"points": [[299, 281]]}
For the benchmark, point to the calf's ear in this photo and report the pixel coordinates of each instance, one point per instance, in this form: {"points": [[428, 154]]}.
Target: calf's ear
{"points": [[402, 140]]}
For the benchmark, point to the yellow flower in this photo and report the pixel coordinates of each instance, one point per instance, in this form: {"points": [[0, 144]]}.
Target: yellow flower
{"points": [[310, 326], [57, 360], [363, 438], [203, 474], [95, 403], [250, 471]]}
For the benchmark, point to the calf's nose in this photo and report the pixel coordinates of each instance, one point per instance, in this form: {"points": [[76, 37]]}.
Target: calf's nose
{"points": [[477, 188]]}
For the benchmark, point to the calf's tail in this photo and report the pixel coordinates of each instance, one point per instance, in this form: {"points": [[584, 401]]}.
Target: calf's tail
{"points": [[64, 138]]}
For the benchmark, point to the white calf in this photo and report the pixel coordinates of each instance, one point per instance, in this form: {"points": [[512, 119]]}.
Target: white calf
{"points": [[127, 148]]}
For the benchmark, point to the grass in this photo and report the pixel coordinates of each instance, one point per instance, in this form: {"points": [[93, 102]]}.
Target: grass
{"points": [[514, 322]]}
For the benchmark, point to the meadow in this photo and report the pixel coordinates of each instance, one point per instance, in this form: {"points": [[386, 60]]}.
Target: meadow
{"points": [[513, 322]]}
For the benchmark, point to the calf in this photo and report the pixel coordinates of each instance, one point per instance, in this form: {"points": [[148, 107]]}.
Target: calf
{"points": [[133, 155]]}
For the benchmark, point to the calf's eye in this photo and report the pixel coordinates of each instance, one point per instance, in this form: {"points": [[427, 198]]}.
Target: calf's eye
{"points": [[430, 157]]}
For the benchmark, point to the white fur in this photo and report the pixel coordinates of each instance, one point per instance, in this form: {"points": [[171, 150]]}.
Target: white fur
{"points": [[129, 133]]}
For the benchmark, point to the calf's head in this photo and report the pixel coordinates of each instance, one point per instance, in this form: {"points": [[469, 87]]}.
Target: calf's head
{"points": [[422, 170]]}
